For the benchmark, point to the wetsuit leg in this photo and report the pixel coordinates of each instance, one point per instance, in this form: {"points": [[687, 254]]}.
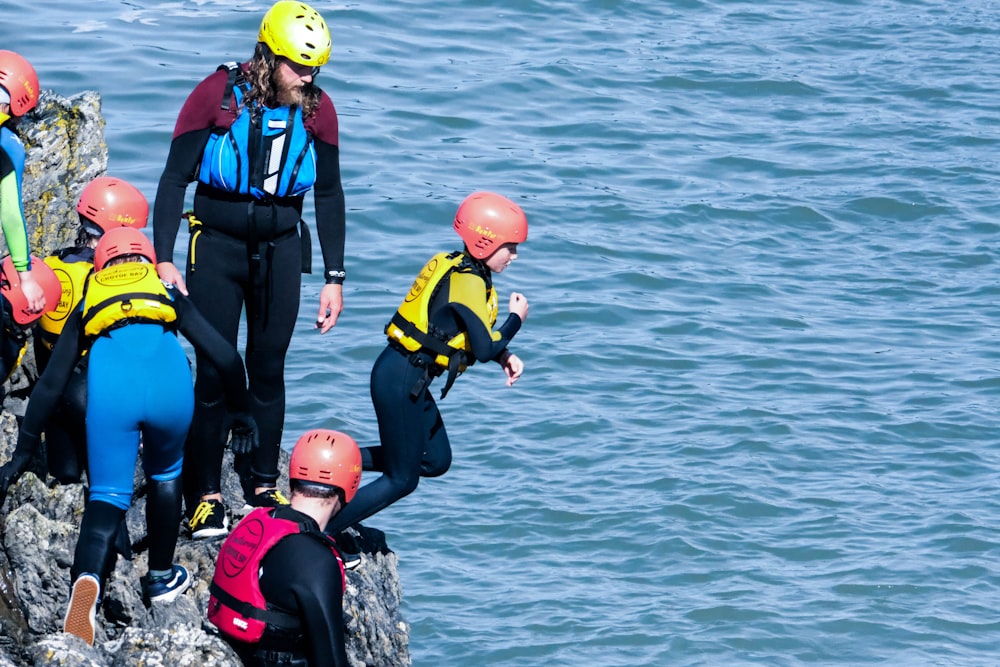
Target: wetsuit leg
{"points": [[9, 353], [169, 407], [407, 426], [437, 448], [268, 335], [65, 441], [115, 410], [217, 282], [94, 548], [163, 516], [437, 453], [9, 349]]}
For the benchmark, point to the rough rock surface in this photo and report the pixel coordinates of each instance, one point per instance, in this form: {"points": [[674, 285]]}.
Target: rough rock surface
{"points": [[64, 138], [40, 519]]}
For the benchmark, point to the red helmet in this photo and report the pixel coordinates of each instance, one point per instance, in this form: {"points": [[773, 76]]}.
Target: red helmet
{"points": [[19, 79], [327, 457], [122, 241], [110, 202], [10, 287], [486, 221]]}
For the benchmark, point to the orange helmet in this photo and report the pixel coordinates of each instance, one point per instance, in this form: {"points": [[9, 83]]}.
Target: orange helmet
{"points": [[122, 241], [327, 457], [10, 287], [110, 202], [486, 221], [19, 79]]}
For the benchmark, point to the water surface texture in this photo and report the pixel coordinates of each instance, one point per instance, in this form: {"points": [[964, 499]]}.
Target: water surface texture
{"points": [[757, 421]]}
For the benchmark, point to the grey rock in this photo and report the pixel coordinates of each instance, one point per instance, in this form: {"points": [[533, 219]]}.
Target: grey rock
{"points": [[64, 138], [41, 519]]}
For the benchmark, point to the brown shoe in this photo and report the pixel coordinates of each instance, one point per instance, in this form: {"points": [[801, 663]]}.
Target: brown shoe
{"points": [[81, 617]]}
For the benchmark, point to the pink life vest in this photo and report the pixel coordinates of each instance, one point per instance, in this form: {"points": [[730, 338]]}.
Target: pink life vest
{"points": [[236, 606]]}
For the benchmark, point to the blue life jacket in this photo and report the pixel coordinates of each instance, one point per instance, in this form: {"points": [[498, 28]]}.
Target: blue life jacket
{"points": [[264, 153]]}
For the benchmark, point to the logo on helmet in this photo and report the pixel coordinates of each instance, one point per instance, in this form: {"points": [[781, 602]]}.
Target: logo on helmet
{"points": [[485, 231]]}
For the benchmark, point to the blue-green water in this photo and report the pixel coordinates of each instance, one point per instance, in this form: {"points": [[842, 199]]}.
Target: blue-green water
{"points": [[757, 421]]}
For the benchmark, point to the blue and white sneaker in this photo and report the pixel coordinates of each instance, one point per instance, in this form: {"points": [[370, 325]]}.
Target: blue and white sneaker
{"points": [[169, 588]]}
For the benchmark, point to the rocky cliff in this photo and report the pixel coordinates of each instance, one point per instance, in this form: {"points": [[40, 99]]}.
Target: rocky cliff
{"points": [[40, 519]]}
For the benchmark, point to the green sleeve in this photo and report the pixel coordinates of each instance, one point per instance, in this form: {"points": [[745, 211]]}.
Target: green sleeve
{"points": [[15, 230]]}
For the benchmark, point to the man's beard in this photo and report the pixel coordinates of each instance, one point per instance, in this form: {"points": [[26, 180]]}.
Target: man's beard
{"points": [[291, 96]]}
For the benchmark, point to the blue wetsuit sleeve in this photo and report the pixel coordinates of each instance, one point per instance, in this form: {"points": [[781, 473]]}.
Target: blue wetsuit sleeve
{"points": [[211, 344], [51, 384]]}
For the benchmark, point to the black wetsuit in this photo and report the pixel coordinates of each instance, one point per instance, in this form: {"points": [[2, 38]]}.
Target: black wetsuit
{"points": [[65, 432], [12, 341], [313, 592], [414, 442], [248, 252]]}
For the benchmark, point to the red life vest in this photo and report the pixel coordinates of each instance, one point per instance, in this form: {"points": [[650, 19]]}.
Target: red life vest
{"points": [[236, 605]]}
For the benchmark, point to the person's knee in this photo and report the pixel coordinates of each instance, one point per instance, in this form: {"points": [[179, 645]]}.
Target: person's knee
{"points": [[118, 499], [435, 466], [267, 358], [400, 486], [208, 387]]}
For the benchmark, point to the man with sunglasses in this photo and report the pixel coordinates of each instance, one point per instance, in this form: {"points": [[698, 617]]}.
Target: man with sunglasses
{"points": [[256, 136]]}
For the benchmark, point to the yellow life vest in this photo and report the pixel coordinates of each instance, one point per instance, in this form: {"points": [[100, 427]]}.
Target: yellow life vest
{"points": [[410, 326], [72, 277], [123, 294]]}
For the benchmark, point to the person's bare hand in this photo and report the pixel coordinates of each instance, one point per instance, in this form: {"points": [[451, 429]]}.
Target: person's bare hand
{"points": [[170, 275], [519, 305]]}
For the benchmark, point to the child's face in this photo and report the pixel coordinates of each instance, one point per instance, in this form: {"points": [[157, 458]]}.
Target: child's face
{"points": [[502, 257]]}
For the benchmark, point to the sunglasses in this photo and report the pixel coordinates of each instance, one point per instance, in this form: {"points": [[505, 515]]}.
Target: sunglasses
{"points": [[301, 70]]}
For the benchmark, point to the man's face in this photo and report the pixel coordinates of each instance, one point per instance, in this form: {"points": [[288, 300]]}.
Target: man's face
{"points": [[291, 79]]}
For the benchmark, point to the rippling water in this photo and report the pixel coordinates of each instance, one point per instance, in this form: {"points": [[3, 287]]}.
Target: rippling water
{"points": [[757, 425]]}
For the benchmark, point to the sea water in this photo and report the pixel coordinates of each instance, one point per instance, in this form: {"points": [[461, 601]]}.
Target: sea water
{"points": [[756, 424]]}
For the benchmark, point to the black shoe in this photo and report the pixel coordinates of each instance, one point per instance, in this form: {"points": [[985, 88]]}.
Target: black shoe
{"points": [[209, 520], [349, 550], [267, 498]]}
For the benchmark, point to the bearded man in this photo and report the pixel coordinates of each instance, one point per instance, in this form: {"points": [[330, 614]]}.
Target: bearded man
{"points": [[256, 137]]}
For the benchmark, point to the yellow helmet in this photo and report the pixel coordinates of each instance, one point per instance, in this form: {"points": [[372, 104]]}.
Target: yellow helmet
{"points": [[296, 31]]}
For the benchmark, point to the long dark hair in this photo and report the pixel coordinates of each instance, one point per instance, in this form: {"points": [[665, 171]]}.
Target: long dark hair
{"points": [[263, 85]]}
